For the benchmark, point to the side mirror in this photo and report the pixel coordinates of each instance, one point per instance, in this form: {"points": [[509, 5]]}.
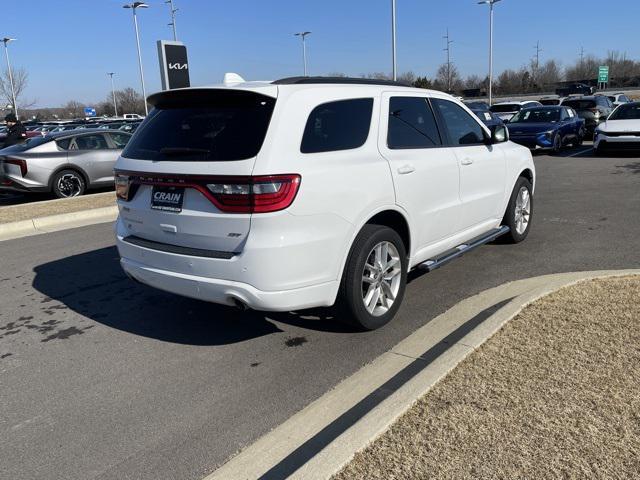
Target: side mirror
{"points": [[499, 134]]}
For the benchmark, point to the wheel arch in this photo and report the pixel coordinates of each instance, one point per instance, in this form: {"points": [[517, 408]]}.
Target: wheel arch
{"points": [[390, 216]]}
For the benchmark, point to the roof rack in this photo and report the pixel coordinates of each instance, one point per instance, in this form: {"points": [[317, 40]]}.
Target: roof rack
{"points": [[337, 80]]}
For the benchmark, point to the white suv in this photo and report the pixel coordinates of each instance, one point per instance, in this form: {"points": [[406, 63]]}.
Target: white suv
{"points": [[310, 192]]}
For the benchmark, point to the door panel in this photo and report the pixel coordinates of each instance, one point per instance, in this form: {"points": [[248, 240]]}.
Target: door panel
{"points": [[425, 173], [482, 166]]}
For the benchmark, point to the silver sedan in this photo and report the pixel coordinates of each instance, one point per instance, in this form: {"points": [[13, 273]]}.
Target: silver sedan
{"points": [[66, 163]]}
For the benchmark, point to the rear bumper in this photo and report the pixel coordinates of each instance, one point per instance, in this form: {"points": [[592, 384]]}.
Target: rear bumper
{"points": [[286, 264], [9, 184], [227, 292]]}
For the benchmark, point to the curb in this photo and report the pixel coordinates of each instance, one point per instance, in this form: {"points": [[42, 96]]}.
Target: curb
{"points": [[54, 223], [321, 439]]}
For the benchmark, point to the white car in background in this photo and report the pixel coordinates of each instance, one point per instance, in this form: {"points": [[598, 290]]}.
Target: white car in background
{"points": [[618, 98], [506, 110], [621, 130], [309, 192]]}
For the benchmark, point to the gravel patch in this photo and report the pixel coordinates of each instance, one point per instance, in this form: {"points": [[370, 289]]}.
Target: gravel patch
{"points": [[554, 394]]}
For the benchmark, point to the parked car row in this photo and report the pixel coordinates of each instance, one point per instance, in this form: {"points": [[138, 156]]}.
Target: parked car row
{"points": [[65, 163]]}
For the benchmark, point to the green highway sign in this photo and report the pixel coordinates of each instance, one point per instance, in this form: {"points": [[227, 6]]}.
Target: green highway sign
{"points": [[603, 74]]}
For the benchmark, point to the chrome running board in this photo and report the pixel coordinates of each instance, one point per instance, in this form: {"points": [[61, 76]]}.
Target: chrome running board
{"points": [[460, 250]]}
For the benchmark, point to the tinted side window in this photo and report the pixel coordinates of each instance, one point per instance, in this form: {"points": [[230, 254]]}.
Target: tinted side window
{"points": [[119, 139], [91, 142], [340, 125], [461, 127], [64, 143], [411, 124]]}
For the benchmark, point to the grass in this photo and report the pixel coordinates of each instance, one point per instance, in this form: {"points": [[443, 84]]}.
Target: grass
{"points": [[554, 394]]}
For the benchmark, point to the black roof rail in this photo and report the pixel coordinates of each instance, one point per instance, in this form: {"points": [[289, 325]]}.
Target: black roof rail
{"points": [[337, 80]]}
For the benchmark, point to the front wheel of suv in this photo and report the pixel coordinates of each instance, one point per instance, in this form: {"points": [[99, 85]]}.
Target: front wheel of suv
{"points": [[519, 212], [374, 278]]}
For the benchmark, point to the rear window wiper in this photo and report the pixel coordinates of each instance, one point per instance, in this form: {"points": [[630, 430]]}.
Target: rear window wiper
{"points": [[178, 151]]}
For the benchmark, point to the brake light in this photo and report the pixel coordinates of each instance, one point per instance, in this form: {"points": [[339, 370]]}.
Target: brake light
{"points": [[230, 194], [123, 184], [262, 194], [20, 163]]}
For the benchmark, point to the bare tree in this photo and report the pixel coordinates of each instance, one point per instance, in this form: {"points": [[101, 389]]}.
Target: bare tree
{"points": [[407, 77], [448, 75], [130, 101], [73, 109], [20, 81]]}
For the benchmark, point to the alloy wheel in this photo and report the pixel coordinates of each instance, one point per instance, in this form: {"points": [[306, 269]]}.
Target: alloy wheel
{"points": [[381, 278], [522, 210], [69, 185]]}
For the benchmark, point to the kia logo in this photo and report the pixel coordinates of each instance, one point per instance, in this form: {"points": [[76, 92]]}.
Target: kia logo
{"points": [[178, 66]]}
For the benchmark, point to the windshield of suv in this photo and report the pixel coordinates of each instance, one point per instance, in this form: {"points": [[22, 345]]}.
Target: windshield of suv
{"points": [[509, 107], [537, 115], [580, 104], [203, 125], [628, 111]]}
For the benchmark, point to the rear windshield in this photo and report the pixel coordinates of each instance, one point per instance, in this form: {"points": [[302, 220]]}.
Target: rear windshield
{"points": [[550, 101], [202, 125], [511, 107], [580, 104]]}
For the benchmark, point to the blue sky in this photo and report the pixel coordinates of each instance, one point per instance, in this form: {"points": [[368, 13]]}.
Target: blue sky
{"points": [[68, 49]]}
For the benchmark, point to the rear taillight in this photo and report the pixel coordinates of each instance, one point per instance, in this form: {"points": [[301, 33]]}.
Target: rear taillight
{"points": [[123, 184], [261, 194], [19, 162]]}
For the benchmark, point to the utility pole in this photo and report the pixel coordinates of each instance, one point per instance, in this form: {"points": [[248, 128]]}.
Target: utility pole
{"points": [[113, 93], [448, 50], [537, 67], [173, 19]]}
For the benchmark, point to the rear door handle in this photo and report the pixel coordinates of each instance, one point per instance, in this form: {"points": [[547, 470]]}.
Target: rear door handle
{"points": [[405, 169], [466, 161]]}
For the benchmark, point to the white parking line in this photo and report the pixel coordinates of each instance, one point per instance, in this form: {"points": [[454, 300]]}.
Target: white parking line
{"points": [[580, 152]]}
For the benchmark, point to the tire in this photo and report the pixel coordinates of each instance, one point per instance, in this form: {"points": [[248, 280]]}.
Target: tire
{"points": [[68, 183], [369, 249], [579, 139], [515, 212], [557, 144]]}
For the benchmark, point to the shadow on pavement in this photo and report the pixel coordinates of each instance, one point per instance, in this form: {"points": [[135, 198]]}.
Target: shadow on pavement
{"points": [[632, 167], [93, 285]]}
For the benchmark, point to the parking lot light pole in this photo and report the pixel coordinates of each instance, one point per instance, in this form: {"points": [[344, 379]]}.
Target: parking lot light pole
{"points": [[173, 19], [134, 6], [6, 40], [393, 41], [303, 35], [113, 93], [490, 3]]}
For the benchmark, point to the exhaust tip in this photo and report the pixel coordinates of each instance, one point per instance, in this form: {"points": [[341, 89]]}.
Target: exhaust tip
{"points": [[239, 304]]}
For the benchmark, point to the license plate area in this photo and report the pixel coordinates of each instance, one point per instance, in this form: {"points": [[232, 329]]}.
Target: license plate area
{"points": [[167, 199]]}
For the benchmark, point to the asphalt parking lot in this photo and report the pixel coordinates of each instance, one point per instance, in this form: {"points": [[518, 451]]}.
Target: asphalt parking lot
{"points": [[103, 378]]}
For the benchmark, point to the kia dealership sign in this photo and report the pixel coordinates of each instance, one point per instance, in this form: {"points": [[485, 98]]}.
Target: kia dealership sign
{"points": [[174, 65]]}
